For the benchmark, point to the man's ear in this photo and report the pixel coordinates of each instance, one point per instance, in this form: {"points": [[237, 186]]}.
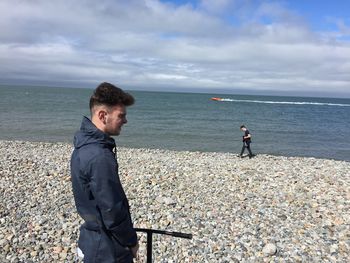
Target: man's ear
{"points": [[101, 114]]}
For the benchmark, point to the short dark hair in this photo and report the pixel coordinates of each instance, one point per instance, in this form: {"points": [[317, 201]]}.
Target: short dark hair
{"points": [[242, 126], [109, 95]]}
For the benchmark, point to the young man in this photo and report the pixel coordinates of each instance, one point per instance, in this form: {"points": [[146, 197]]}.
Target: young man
{"points": [[246, 142], [107, 234]]}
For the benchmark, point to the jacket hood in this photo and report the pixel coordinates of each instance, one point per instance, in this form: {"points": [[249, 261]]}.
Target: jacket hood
{"points": [[89, 134]]}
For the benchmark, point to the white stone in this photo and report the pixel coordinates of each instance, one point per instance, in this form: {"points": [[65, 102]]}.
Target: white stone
{"points": [[269, 249]]}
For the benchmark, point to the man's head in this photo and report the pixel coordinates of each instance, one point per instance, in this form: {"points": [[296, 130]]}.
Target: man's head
{"points": [[108, 108], [243, 128]]}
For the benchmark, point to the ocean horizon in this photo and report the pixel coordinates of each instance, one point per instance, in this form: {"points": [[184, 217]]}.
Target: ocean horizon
{"points": [[280, 125]]}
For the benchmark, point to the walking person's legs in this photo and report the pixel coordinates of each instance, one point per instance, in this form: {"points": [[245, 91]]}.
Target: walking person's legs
{"points": [[249, 150], [242, 151]]}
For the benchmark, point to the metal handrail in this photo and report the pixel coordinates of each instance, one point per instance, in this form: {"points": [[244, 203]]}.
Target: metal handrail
{"points": [[150, 233]]}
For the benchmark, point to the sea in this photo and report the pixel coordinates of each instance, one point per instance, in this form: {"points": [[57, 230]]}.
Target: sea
{"points": [[287, 126]]}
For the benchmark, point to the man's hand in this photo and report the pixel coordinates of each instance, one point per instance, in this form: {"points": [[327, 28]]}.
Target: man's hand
{"points": [[134, 250]]}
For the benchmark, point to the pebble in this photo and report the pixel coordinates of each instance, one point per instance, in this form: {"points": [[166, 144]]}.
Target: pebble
{"points": [[269, 249], [57, 250], [265, 209]]}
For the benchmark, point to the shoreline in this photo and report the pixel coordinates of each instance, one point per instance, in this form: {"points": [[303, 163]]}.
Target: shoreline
{"points": [[234, 154], [262, 209]]}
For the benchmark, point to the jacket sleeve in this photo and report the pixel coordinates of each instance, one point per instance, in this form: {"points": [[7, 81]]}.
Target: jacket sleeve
{"points": [[111, 200]]}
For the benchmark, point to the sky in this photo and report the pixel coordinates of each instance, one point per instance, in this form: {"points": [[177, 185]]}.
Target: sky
{"points": [[295, 47]]}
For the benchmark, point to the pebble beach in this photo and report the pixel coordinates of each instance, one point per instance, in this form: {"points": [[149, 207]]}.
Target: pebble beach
{"points": [[264, 209]]}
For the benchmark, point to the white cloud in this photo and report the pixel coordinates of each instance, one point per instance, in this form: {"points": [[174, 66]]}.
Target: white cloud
{"points": [[151, 43]]}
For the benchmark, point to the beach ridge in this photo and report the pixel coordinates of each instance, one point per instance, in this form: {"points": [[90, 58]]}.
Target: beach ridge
{"points": [[268, 207]]}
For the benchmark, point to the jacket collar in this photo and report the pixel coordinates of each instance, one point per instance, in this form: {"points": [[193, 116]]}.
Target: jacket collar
{"points": [[89, 134]]}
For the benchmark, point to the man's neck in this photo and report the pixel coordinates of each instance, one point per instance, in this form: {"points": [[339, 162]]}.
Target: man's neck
{"points": [[98, 124]]}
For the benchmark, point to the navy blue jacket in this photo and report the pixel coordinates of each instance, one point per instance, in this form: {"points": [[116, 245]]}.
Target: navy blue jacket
{"points": [[99, 197]]}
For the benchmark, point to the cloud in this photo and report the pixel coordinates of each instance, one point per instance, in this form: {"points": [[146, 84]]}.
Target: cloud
{"points": [[216, 44]]}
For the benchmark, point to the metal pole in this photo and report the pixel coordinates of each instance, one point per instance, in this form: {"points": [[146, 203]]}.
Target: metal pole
{"points": [[149, 247], [150, 233]]}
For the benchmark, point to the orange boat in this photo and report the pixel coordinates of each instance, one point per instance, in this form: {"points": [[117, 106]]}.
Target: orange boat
{"points": [[216, 99]]}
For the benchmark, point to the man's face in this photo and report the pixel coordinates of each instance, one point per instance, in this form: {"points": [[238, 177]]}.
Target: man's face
{"points": [[115, 119], [243, 129]]}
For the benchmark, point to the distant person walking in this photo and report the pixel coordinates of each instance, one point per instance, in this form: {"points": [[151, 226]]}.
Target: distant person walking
{"points": [[107, 234], [247, 139]]}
